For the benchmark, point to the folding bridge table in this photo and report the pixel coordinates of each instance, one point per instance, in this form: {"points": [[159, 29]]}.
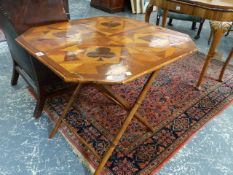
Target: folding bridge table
{"points": [[104, 51]]}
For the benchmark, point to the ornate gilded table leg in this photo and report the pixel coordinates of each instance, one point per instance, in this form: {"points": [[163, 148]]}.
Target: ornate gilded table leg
{"points": [[225, 65], [126, 123], [66, 110], [149, 9], [218, 30]]}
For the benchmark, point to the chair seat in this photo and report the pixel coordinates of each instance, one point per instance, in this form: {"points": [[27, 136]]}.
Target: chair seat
{"points": [[180, 16]]}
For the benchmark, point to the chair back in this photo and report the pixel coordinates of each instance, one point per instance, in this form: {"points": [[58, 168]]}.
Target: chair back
{"points": [[16, 16], [18, 54], [25, 14], [66, 6]]}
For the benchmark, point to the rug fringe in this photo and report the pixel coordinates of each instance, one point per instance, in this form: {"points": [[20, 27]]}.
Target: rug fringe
{"points": [[82, 159]]}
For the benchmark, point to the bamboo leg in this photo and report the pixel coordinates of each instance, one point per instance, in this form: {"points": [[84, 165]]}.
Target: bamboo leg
{"points": [[149, 9], [217, 35], [165, 13], [225, 65], [126, 123], [66, 110], [107, 91]]}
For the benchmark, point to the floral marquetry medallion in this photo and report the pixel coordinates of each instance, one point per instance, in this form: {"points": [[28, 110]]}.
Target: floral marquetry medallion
{"points": [[105, 49]]}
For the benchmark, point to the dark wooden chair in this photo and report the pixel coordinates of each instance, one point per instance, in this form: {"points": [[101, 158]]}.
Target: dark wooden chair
{"points": [[230, 30], [14, 20], [184, 17], [66, 7]]}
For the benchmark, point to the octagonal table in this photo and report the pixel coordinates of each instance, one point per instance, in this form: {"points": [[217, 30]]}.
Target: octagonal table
{"points": [[106, 51]]}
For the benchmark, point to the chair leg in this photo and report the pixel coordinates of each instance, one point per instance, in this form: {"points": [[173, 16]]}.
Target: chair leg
{"points": [[229, 30], [170, 22], [199, 29], [15, 75], [194, 25], [39, 105], [157, 20], [210, 37]]}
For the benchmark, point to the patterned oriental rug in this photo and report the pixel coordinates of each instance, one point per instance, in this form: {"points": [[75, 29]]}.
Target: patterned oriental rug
{"points": [[174, 108]]}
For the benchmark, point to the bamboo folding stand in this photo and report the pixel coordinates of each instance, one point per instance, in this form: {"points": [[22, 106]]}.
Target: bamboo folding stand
{"points": [[126, 123]]}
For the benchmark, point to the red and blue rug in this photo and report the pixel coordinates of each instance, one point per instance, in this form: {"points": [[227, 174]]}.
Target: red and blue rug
{"points": [[174, 108]]}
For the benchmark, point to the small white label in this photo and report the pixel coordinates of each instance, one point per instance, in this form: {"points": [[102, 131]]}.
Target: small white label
{"points": [[39, 54], [178, 8], [128, 73], [109, 77]]}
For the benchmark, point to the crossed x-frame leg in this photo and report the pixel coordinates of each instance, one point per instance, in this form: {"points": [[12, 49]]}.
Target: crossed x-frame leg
{"points": [[132, 113], [108, 92]]}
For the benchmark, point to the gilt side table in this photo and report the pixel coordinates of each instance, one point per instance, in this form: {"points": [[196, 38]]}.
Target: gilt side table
{"points": [[217, 10]]}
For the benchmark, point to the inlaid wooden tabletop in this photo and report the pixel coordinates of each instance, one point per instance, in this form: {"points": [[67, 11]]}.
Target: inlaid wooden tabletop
{"points": [[112, 50]]}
